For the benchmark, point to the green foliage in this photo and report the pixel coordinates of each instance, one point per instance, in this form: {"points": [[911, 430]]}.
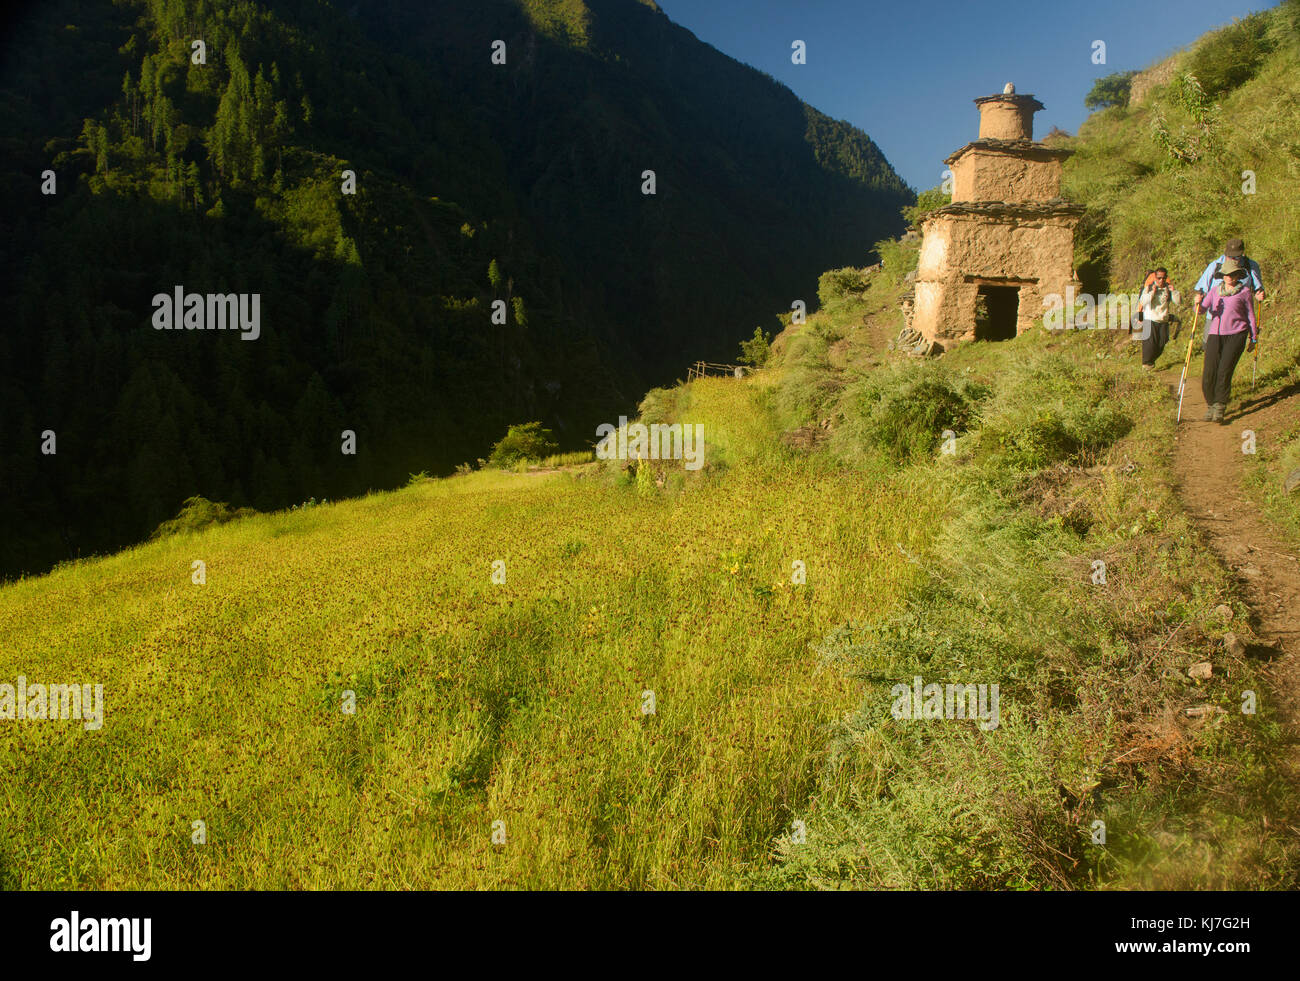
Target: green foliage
{"points": [[1056, 416], [574, 459], [1063, 460], [660, 405], [926, 202], [897, 259], [835, 284], [523, 443], [568, 21], [808, 387], [757, 349], [1110, 90], [645, 479], [1191, 142], [199, 513], [1231, 56], [904, 414], [1174, 199], [969, 567]]}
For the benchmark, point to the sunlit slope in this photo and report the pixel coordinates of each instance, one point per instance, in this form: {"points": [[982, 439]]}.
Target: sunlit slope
{"points": [[1169, 179], [475, 702]]}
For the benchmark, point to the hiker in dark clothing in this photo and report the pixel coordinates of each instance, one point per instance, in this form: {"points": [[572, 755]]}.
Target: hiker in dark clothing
{"points": [[1231, 307], [1154, 308]]}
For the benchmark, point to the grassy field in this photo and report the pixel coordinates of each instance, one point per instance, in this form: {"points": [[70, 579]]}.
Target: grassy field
{"points": [[475, 702]]}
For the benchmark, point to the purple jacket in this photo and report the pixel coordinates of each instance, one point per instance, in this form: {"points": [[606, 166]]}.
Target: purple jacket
{"points": [[1231, 314]]}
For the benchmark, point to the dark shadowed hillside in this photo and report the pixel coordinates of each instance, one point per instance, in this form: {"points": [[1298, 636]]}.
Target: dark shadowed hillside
{"points": [[475, 183]]}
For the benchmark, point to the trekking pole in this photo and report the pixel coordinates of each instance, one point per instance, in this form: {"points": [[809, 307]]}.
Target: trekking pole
{"points": [[1254, 361], [1182, 382]]}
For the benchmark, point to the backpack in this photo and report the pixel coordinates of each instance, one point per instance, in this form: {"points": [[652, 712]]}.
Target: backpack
{"points": [[1151, 275]]}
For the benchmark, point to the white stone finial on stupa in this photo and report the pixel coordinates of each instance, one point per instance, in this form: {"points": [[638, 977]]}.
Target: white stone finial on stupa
{"points": [[1008, 89]]}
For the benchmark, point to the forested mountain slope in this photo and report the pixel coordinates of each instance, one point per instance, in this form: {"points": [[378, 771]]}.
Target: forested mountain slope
{"points": [[475, 183]]}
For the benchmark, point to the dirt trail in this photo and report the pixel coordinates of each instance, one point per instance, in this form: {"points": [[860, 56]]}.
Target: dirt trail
{"points": [[1209, 466]]}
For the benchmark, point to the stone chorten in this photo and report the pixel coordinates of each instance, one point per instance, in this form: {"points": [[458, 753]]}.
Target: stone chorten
{"points": [[1007, 238]]}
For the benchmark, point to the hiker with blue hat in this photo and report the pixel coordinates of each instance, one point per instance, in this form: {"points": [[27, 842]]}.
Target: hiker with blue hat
{"points": [[1235, 249]]}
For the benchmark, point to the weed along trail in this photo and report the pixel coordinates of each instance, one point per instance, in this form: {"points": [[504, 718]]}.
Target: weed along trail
{"points": [[1210, 464]]}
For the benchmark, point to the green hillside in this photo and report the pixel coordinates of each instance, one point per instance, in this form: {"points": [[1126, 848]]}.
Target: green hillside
{"points": [[862, 519], [1210, 155], [1165, 180]]}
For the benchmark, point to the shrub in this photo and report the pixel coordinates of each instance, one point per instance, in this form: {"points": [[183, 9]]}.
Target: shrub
{"points": [[927, 201], [1042, 441], [1047, 415], [837, 283], [1110, 90], [1232, 56], [1189, 143], [645, 479], [897, 259], [905, 416], [198, 513], [756, 350], [660, 405], [526, 442], [808, 384]]}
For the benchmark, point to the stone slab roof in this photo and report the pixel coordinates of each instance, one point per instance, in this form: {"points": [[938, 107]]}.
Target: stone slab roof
{"points": [[1055, 208], [1018, 100], [1029, 149]]}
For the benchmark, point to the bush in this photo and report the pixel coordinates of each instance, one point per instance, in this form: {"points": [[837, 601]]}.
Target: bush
{"points": [[1232, 56], [897, 259], [1040, 442], [905, 417], [198, 513], [1110, 90], [808, 384], [659, 405], [645, 479], [837, 283], [756, 350], [1045, 415], [926, 201], [527, 442]]}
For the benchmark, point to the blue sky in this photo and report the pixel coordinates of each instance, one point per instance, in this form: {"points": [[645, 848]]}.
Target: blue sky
{"points": [[906, 72]]}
